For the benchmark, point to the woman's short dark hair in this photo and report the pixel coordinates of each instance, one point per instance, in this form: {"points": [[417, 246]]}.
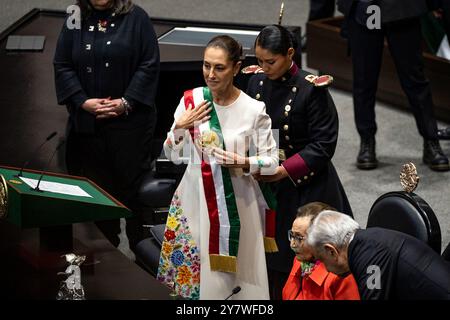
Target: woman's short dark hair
{"points": [[229, 45], [119, 7], [276, 39], [313, 209]]}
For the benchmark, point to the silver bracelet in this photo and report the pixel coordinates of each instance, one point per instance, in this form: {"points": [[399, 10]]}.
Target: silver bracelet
{"points": [[126, 105]]}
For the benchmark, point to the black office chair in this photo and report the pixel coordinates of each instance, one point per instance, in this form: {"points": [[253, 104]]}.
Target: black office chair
{"points": [[446, 253], [408, 213], [148, 250], [155, 195]]}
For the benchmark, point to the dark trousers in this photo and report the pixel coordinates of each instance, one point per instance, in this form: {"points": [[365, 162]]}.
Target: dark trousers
{"points": [[405, 44], [320, 9], [115, 159]]}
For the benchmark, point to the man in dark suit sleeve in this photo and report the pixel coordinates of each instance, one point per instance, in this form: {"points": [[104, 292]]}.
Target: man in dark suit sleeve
{"points": [[400, 25], [386, 264]]}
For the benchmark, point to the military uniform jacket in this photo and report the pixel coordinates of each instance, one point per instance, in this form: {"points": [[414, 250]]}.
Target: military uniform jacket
{"points": [[306, 119]]}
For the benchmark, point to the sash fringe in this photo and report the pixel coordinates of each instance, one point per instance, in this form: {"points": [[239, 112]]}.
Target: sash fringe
{"points": [[223, 263], [270, 245]]}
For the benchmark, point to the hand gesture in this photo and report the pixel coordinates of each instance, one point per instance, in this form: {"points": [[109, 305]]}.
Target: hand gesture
{"points": [[229, 159], [110, 109], [280, 174], [91, 105], [194, 115]]}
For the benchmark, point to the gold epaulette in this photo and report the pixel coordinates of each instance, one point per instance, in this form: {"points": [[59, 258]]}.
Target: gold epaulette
{"points": [[252, 69], [319, 81]]}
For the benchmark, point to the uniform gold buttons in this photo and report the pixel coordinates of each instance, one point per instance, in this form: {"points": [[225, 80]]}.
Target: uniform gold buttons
{"points": [[286, 113], [305, 178], [294, 89], [291, 146], [261, 83], [287, 108], [299, 181], [285, 127], [287, 138], [311, 174], [258, 96]]}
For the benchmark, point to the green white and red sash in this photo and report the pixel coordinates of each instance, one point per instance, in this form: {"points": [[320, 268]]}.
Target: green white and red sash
{"points": [[220, 197], [270, 244]]}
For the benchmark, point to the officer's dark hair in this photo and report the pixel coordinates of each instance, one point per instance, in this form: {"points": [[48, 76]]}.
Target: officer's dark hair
{"points": [[276, 39], [229, 45], [119, 7]]}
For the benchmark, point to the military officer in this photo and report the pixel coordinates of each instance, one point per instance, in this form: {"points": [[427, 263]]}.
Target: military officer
{"points": [[305, 116]]}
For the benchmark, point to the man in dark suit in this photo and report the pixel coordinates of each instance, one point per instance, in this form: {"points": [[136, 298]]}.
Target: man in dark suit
{"points": [[386, 264], [400, 25], [444, 6], [319, 9]]}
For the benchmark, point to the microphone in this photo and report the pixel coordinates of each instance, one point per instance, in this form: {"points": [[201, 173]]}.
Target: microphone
{"points": [[48, 163], [235, 290], [50, 137]]}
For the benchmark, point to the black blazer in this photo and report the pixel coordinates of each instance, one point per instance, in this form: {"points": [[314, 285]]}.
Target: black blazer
{"points": [[121, 62], [408, 268], [391, 10]]}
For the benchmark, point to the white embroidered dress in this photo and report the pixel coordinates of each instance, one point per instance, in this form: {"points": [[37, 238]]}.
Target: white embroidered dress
{"points": [[184, 261]]}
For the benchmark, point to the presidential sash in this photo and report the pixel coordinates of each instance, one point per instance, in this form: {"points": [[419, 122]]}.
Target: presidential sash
{"points": [[219, 194], [220, 198]]}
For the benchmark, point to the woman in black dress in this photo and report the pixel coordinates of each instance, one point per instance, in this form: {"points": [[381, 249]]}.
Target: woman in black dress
{"points": [[106, 73], [306, 118]]}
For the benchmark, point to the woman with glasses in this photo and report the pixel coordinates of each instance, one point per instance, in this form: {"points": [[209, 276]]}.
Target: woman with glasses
{"points": [[309, 279]]}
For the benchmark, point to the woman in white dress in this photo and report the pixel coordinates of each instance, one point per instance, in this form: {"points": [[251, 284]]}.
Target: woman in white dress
{"points": [[220, 222]]}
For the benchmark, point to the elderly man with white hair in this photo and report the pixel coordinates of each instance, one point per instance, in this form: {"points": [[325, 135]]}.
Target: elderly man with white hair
{"points": [[386, 264]]}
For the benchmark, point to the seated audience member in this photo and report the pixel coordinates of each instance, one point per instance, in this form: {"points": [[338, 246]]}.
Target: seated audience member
{"points": [[386, 264], [309, 279]]}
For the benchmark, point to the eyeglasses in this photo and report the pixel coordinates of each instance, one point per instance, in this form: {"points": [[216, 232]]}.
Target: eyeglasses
{"points": [[296, 237]]}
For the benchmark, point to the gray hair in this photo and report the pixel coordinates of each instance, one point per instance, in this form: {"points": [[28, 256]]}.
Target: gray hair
{"points": [[331, 227]]}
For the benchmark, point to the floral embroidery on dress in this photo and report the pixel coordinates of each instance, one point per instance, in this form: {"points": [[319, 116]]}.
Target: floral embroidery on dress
{"points": [[179, 263]]}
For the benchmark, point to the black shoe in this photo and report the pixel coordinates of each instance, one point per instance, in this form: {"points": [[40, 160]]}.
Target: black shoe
{"points": [[366, 157], [434, 157], [444, 134]]}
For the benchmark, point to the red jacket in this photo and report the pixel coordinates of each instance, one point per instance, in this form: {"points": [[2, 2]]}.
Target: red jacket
{"points": [[319, 285]]}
